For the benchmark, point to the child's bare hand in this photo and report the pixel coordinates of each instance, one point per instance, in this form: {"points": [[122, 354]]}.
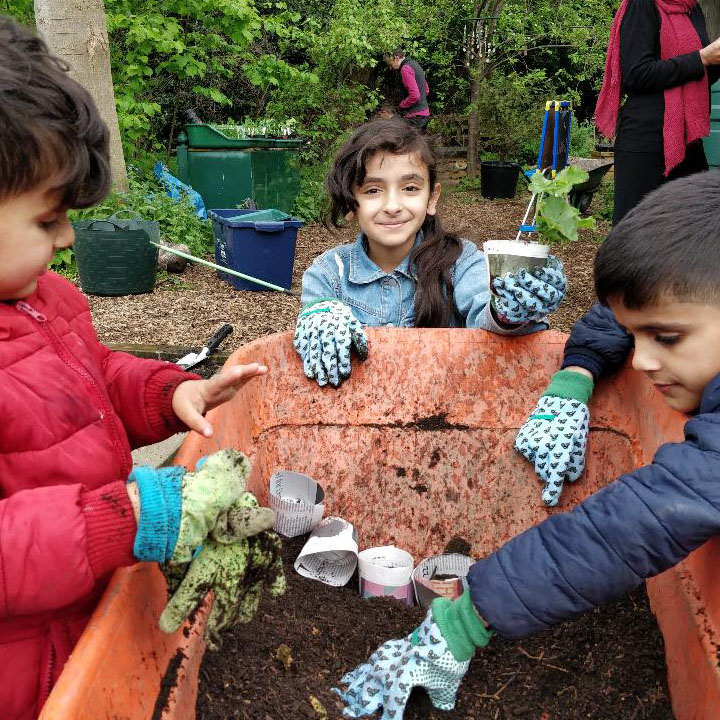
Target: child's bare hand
{"points": [[192, 399]]}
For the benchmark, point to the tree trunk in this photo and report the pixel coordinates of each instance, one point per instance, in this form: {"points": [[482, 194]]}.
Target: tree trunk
{"points": [[76, 31], [478, 71], [711, 8], [472, 149]]}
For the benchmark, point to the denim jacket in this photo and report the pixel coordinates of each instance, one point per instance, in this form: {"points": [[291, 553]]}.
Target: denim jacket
{"points": [[378, 298]]}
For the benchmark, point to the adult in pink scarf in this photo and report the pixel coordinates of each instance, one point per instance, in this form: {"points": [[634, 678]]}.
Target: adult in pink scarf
{"points": [[655, 99]]}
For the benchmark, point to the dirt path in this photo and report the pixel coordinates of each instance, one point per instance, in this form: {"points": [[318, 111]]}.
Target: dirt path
{"points": [[189, 308]]}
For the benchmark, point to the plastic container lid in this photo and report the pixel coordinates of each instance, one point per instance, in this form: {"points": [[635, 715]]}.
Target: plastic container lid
{"points": [[271, 215]]}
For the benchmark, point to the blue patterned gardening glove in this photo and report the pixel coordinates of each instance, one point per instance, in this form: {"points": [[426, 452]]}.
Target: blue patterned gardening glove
{"points": [[554, 437], [529, 295], [324, 335], [435, 656]]}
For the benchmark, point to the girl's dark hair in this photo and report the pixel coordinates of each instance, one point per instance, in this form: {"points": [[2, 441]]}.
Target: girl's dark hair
{"points": [[435, 257], [48, 123], [668, 245]]}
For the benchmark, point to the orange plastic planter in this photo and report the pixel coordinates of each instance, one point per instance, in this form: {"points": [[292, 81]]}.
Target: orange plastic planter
{"points": [[417, 447]]}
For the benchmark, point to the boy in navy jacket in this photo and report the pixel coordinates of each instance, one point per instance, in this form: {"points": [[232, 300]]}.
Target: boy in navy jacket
{"points": [[659, 274]]}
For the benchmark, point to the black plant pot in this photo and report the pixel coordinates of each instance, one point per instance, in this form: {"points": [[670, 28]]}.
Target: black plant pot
{"points": [[604, 146], [498, 179]]}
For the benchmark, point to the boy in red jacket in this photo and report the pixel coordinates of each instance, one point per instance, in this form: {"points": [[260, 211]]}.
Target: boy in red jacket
{"points": [[71, 409]]}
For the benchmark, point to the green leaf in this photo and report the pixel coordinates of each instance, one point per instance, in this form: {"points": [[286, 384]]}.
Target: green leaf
{"points": [[558, 219]]}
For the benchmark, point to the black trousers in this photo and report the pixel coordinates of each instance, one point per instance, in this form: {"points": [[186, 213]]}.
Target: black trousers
{"points": [[638, 173]]}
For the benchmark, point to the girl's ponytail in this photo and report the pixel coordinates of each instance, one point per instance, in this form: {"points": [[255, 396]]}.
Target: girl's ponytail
{"points": [[436, 255], [434, 259]]}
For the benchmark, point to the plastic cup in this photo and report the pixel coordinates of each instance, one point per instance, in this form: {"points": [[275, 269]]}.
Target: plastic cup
{"points": [[386, 572], [509, 256], [451, 583]]}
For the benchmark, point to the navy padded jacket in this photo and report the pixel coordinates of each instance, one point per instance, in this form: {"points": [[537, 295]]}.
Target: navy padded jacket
{"points": [[642, 524], [597, 342]]}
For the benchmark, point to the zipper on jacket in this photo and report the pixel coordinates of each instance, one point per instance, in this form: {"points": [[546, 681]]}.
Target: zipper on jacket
{"points": [[69, 359], [31, 311], [47, 689]]}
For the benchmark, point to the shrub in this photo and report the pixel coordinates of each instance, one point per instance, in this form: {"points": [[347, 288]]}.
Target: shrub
{"points": [[603, 202], [145, 199], [582, 139]]}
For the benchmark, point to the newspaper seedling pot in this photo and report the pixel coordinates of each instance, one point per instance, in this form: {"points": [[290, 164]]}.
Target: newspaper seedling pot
{"points": [[509, 256], [297, 501], [441, 576], [415, 449], [386, 572], [330, 554]]}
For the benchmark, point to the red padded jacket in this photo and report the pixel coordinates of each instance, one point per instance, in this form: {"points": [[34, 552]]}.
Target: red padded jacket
{"points": [[70, 412]]}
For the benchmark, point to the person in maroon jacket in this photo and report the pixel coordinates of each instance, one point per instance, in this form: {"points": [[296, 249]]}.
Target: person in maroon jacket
{"points": [[71, 409], [414, 108]]}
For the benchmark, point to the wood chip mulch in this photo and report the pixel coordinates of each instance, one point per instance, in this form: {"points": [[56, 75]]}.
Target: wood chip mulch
{"points": [[186, 309]]}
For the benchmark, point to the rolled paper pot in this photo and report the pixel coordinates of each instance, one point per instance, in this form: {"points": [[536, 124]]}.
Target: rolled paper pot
{"points": [[428, 587], [386, 571], [297, 501]]}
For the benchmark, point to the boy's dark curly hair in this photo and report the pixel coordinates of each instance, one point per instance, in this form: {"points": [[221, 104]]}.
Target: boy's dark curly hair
{"points": [[49, 125], [434, 258]]}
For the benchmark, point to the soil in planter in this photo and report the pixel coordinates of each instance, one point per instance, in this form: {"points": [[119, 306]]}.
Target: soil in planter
{"points": [[607, 665]]}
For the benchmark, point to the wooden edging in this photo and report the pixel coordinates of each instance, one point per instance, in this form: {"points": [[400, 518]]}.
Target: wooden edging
{"points": [[164, 352]]}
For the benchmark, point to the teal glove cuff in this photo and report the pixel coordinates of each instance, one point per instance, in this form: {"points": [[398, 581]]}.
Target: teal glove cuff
{"points": [[570, 385], [152, 531], [309, 306], [171, 483], [460, 625]]}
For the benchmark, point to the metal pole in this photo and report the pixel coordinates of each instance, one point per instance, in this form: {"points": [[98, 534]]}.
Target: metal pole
{"points": [[250, 278]]}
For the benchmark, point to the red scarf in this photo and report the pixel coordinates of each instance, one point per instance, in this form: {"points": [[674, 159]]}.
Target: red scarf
{"points": [[687, 116]]}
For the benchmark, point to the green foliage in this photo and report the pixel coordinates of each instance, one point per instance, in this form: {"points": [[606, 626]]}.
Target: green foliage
{"points": [[311, 203], [558, 221], [510, 111], [64, 263], [582, 139], [468, 183], [604, 200], [342, 49], [21, 10], [170, 56], [147, 200]]}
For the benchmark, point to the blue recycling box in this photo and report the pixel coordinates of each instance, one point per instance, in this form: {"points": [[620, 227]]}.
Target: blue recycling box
{"points": [[264, 249]]}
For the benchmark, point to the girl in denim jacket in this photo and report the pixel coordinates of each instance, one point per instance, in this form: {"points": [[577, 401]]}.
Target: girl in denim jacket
{"points": [[404, 269]]}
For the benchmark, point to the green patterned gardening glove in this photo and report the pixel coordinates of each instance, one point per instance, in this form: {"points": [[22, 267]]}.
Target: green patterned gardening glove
{"points": [[208, 492], [244, 518], [237, 574], [554, 438]]}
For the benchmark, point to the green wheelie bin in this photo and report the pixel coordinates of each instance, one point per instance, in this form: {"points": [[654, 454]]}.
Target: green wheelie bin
{"points": [[227, 171], [712, 143]]}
